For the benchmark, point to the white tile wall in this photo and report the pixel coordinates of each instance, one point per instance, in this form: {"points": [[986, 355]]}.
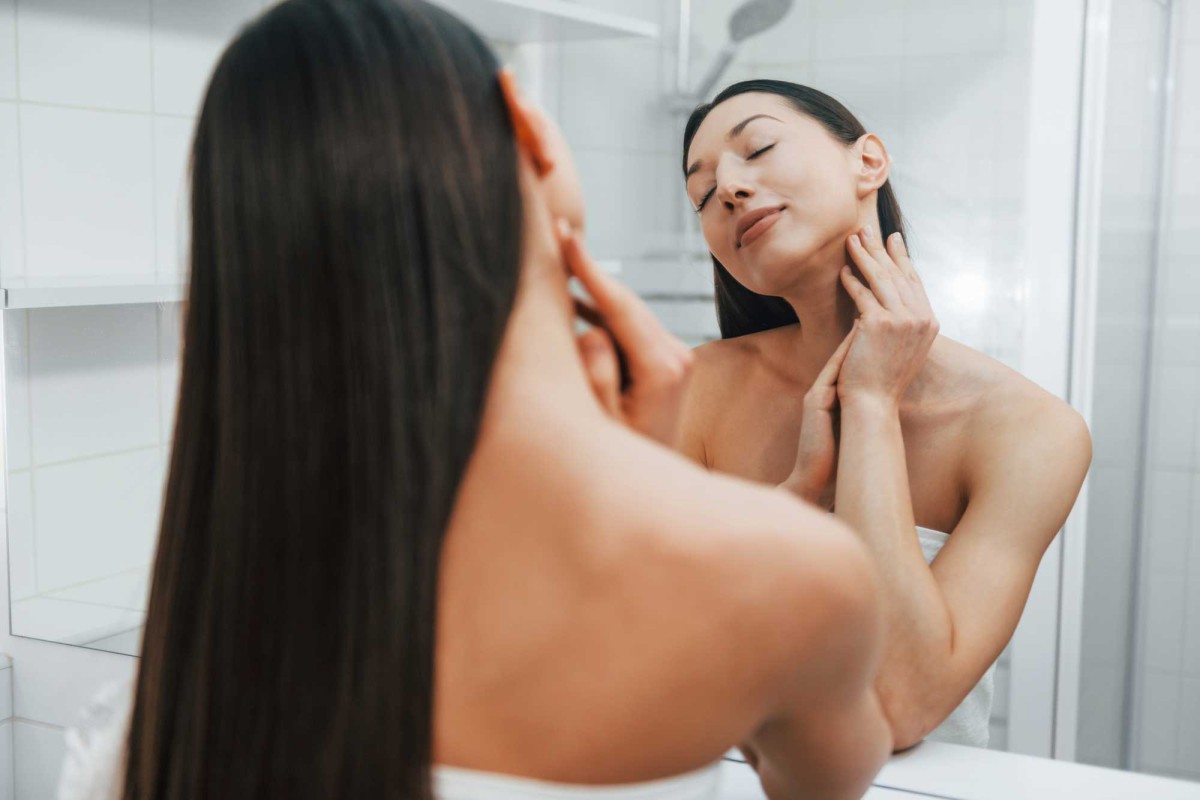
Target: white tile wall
{"points": [[7, 785], [1163, 621], [1158, 735], [1173, 420], [97, 105], [1100, 690], [860, 29], [22, 548], [6, 705], [170, 342], [1168, 517], [16, 364], [188, 39], [12, 247], [70, 622], [96, 517], [1188, 752], [39, 751], [601, 78], [172, 140], [66, 347], [125, 590], [1191, 619], [629, 196], [88, 192], [8, 49], [86, 53]]}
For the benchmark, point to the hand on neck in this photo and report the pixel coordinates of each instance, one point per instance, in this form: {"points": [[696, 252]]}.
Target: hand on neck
{"points": [[824, 308]]}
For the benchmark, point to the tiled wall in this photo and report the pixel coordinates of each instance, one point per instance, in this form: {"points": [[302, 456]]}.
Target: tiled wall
{"points": [[1124, 295], [1169, 719], [97, 104], [6, 729], [1141, 646]]}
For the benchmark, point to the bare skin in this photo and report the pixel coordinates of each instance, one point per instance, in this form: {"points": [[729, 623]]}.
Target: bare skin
{"points": [[900, 427], [580, 638]]}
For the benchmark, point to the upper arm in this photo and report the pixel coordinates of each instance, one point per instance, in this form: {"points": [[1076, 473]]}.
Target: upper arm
{"points": [[1024, 473], [824, 734]]}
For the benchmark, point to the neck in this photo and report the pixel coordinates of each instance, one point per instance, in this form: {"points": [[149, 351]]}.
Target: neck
{"points": [[538, 370], [822, 304]]}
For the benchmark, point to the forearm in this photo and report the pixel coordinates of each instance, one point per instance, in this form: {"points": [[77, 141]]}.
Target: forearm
{"points": [[873, 497]]}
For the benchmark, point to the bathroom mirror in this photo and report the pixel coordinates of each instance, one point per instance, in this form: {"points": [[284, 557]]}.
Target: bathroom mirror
{"points": [[1070, 254]]}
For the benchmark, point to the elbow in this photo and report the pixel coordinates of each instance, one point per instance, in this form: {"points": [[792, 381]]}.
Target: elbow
{"points": [[906, 735], [909, 722]]}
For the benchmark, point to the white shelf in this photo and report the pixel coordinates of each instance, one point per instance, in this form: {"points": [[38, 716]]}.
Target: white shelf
{"points": [[546, 21], [55, 293]]}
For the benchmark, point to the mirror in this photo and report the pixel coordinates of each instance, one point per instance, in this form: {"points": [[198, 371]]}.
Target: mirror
{"points": [[92, 237]]}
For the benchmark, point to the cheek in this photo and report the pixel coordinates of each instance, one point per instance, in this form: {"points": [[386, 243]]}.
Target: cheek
{"points": [[717, 233]]}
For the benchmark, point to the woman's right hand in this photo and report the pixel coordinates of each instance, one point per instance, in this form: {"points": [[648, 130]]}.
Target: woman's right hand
{"points": [[816, 453], [659, 365]]}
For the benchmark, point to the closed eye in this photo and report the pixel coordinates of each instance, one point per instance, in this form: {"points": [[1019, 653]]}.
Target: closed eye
{"points": [[751, 157]]}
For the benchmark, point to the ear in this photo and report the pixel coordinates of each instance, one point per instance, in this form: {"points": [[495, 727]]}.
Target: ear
{"points": [[873, 161], [528, 122]]}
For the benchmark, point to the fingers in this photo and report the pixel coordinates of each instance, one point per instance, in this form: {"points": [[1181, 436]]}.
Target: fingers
{"points": [[863, 297], [829, 373], [600, 363], [635, 329], [898, 250], [878, 274]]}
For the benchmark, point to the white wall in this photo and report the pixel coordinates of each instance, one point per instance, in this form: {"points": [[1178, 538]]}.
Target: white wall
{"points": [[97, 102]]}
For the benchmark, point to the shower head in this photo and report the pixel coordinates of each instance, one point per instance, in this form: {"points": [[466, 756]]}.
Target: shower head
{"points": [[749, 19], [755, 16]]}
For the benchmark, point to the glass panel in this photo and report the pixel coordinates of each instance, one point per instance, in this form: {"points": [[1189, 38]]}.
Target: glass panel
{"points": [[1135, 571]]}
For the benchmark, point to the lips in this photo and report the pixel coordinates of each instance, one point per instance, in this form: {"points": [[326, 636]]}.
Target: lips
{"points": [[754, 223]]}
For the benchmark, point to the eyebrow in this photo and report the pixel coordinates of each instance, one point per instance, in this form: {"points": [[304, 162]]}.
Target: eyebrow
{"points": [[733, 132]]}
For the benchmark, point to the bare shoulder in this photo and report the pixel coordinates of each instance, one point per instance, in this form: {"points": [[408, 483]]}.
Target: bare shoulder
{"points": [[1013, 411], [779, 582], [721, 373], [1020, 433]]}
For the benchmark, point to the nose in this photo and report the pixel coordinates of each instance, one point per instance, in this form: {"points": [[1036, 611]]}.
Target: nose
{"points": [[733, 189]]}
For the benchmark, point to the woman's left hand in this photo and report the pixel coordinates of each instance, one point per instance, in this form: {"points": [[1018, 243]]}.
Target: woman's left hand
{"points": [[897, 326]]}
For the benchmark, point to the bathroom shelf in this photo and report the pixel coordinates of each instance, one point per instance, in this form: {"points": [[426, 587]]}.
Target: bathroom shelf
{"points": [[521, 21], [55, 293]]}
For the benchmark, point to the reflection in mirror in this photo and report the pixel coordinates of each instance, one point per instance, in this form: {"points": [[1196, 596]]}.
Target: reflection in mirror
{"points": [[89, 398]]}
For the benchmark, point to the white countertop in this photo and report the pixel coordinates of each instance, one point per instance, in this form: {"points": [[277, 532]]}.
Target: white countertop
{"points": [[953, 772]]}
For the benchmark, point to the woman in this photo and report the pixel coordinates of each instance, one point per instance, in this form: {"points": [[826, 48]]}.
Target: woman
{"points": [[834, 384], [410, 519]]}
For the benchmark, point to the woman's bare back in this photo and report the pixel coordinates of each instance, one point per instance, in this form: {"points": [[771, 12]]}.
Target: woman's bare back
{"points": [[611, 613]]}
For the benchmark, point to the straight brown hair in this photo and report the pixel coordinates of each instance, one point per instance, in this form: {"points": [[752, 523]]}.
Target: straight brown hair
{"points": [[355, 248]]}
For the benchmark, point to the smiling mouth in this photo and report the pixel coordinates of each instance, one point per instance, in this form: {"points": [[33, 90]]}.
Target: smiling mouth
{"points": [[759, 228]]}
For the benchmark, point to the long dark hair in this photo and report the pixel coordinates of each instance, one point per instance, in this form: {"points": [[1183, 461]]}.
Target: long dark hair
{"points": [[355, 248], [739, 310]]}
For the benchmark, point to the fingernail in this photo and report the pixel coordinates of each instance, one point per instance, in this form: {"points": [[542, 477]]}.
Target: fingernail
{"points": [[856, 239], [868, 234], [563, 227]]}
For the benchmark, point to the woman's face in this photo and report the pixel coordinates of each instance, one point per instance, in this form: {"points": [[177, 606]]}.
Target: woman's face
{"points": [[776, 193]]}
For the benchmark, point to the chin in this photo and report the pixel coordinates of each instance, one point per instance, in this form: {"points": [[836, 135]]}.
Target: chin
{"points": [[776, 267]]}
